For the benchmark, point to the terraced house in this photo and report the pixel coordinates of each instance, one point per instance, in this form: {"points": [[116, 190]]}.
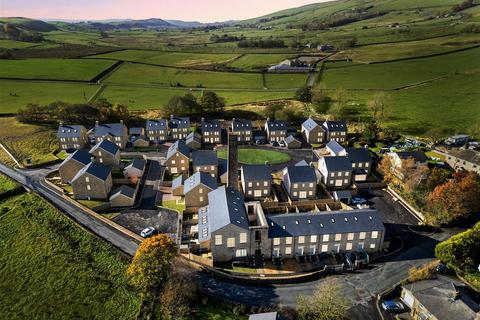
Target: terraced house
{"points": [[205, 161], [72, 136], [116, 133], [107, 153], [157, 130], [335, 130], [243, 128], [276, 130], [211, 131], [178, 127], [178, 158], [92, 182], [313, 132]]}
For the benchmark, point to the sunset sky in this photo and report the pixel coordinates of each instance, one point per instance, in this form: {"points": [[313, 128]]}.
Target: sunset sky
{"points": [[198, 10]]}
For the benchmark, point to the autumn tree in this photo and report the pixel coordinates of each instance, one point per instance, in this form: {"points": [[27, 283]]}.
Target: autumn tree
{"points": [[326, 303], [385, 167], [436, 177]]}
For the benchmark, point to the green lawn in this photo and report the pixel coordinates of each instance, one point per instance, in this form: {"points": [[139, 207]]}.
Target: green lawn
{"points": [[172, 204], [57, 69], [53, 268], [257, 156], [6, 184]]}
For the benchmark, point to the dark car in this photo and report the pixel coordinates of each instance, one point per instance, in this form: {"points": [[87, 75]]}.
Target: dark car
{"points": [[392, 306]]}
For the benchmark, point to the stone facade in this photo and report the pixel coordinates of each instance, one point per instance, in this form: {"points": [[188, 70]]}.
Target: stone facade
{"points": [[178, 163], [89, 187]]}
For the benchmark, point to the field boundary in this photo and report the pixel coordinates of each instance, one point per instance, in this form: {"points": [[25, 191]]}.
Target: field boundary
{"points": [[107, 72]]}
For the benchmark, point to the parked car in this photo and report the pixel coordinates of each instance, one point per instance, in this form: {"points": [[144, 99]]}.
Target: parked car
{"points": [[392, 306], [147, 232], [275, 144], [358, 201], [282, 144]]}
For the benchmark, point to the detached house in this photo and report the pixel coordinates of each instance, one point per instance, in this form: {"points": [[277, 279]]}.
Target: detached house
{"points": [[292, 143], [92, 182], [336, 171], [361, 161], [276, 130], [157, 130], [335, 130], [107, 153], [194, 141], [256, 181], [243, 128], [205, 161], [196, 189], [123, 197], [135, 170], [300, 182], [72, 164], [178, 158], [211, 131], [116, 133], [313, 132], [179, 127], [335, 149], [72, 136]]}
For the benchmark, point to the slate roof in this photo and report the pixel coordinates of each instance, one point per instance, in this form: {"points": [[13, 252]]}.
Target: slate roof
{"points": [[264, 316], [335, 146], [299, 174], [330, 222], [193, 136], [125, 191], [340, 126], [113, 129], [359, 155], [241, 125], [275, 125], [210, 125], [226, 207], [291, 139], [222, 167], [80, 156], [197, 178], [95, 169], [137, 164], [256, 173], [419, 156], [341, 163], [438, 297], [204, 158], [179, 122], [179, 146], [467, 155], [301, 163], [310, 124], [178, 181], [136, 130], [158, 124], [69, 131], [107, 146]]}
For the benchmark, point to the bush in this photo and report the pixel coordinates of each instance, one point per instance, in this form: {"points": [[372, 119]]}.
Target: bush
{"points": [[425, 272]]}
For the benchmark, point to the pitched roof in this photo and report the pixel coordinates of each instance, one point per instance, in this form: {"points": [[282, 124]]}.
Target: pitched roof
{"points": [[359, 155], [179, 146], [222, 167], [179, 122], [107, 146], [418, 156], [241, 124], [209, 125], [301, 174], [274, 125], [137, 164], [471, 156], [318, 223], [136, 130], [291, 139], [226, 207], [309, 124], [335, 146], [69, 131], [113, 129], [95, 169], [193, 136], [124, 190], [301, 163], [178, 181], [256, 173], [335, 125], [80, 156], [157, 124], [337, 163], [204, 158], [264, 316], [198, 178]]}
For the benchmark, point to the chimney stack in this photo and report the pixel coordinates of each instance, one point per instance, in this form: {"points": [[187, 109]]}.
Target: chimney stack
{"points": [[232, 162]]}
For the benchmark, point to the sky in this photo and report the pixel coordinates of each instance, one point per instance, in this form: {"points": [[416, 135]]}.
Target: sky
{"points": [[187, 10]]}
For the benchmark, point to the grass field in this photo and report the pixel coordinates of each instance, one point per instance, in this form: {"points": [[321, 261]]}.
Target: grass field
{"points": [[285, 81], [258, 61], [6, 184], [56, 268], [257, 156], [15, 94], [12, 44], [56, 69]]}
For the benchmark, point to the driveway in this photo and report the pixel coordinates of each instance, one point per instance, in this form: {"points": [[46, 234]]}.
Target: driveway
{"points": [[150, 185]]}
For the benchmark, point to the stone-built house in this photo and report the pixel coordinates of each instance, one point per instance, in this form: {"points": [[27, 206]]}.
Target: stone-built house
{"points": [[300, 182], [361, 161], [205, 161], [336, 171], [276, 130], [123, 197], [243, 128], [335, 130], [468, 160], [135, 170], [92, 182], [178, 158], [313, 132], [211, 131], [223, 171], [136, 132], [177, 185], [256, 181], [178, 127], [72, 136], [196, 189], [157, 130], [107, 153], [292, 143], [141, 142], [116, 133], [72, 164], [335, 149], [194, 141]]}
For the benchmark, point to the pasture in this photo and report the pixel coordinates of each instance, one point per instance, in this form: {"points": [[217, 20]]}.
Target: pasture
{"points": [[12, 44], [284, 80], [258, 61]]}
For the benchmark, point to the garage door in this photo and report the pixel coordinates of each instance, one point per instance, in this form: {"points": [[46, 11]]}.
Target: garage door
{"points": [[408, 298]]}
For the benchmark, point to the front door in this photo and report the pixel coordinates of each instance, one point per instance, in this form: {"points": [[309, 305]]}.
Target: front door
{"points": [[276, 252], [302, 194], [257, 193], [338, 183], [336, 247]]}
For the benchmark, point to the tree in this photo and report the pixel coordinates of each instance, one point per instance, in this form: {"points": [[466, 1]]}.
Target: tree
{"points": [[386, 169], [371, 131], [320, 99], [378, 106], [303, 94], [326, 303], [210, 102], [182, 106], [436, 177], [339, 108]]}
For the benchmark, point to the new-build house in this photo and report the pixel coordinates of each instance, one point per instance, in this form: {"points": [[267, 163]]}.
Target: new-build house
{"points": [[72, 136], [178, 158], [211, 131], [194, 141], [136, 132], [113, 132], [335, 149], [72, 164], [123, 197], [361, 161], [243, 128], [313, 132], [157, 130], [256, 181], [107, 153], [336, 171], [196, 189], [276, 130], [92, 182], [179, 127], [135, 170], [300, 182], [177, 185], [205, 161], [335, 130], [292, 143]]}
